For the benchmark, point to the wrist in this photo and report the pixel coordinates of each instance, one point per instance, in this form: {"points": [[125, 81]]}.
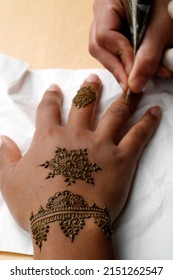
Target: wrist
{"points": [[90, 243], [75, 217]]}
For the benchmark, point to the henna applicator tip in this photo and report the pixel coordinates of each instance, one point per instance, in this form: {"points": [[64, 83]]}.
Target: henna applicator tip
{"points": [[128, 94]]}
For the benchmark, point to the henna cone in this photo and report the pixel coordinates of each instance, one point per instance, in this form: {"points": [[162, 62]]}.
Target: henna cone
{"points": [[138, 11], [137, 14]]}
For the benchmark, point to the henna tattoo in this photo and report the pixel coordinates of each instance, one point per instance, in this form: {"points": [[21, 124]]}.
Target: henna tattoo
{"points": [[70, 210], [72, 164], [84, 97]]}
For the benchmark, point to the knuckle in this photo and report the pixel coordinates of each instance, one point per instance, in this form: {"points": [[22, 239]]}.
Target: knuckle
{"points": [[100, 37], [96, 40], [150, 58], [119, 108], [141, 132], [75, 133], [47, 103], [93, 44], [92, 48], [47, 133]]}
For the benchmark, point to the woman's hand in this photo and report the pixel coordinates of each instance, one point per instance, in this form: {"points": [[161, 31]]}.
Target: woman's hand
{"points": [[23, 179], [110, 162]]}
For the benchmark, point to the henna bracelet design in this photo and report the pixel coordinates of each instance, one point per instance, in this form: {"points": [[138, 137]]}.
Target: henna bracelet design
{"points": [[70, 210], [72, 164], [84, 97]]}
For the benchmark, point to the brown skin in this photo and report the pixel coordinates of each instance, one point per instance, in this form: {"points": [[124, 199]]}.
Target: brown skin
{"points": [[23, 183], [113, 49]]}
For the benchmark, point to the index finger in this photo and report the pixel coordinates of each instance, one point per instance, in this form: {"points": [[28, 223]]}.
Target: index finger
{"points": [[108, 17], [109, 22], [116, 116]]}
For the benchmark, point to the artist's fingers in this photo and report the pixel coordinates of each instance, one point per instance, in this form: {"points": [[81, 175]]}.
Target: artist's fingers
{"points": [[108, 41], [48, 112], [119, 46], [149, 56], [84, 103], [145, 66], [116, 55], [138, 136], [158, 36], [115, 117]]}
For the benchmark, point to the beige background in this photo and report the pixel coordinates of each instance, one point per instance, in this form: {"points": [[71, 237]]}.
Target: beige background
{"points": [[46, 34]]}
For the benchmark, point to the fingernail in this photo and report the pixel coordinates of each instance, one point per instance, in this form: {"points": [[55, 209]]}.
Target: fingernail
{"points": [[137, 84], [155, 111], [54, 87], [93, 79]]}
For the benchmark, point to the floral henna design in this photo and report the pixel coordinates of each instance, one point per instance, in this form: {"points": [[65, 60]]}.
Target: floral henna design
{"points": [[71, 164], [71, 211], [84, 97]]}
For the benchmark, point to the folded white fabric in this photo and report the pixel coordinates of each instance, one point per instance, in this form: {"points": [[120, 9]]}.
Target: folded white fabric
{"points": [[145, 229]]}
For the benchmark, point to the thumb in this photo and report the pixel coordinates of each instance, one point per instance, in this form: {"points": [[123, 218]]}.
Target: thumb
{"points": [[9, 153], [145, 66]]}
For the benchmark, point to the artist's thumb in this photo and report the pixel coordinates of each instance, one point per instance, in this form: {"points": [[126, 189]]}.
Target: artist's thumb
{"points": [[9, 154], [145, 66]]}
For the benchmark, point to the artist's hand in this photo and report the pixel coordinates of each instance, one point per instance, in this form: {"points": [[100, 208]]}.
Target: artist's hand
{"points": [[22, 179], [110, 46]]}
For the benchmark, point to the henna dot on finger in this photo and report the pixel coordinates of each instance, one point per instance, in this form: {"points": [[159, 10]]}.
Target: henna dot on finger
{"points": [[84, 97]]}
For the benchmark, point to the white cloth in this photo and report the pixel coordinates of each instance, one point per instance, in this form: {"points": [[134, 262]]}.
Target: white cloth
{"points": [[145, 229]]}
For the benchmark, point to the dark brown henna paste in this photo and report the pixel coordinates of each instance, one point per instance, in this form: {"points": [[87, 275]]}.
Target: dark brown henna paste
{"points": [[84, 97], [71, 164], [70, 210]]}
